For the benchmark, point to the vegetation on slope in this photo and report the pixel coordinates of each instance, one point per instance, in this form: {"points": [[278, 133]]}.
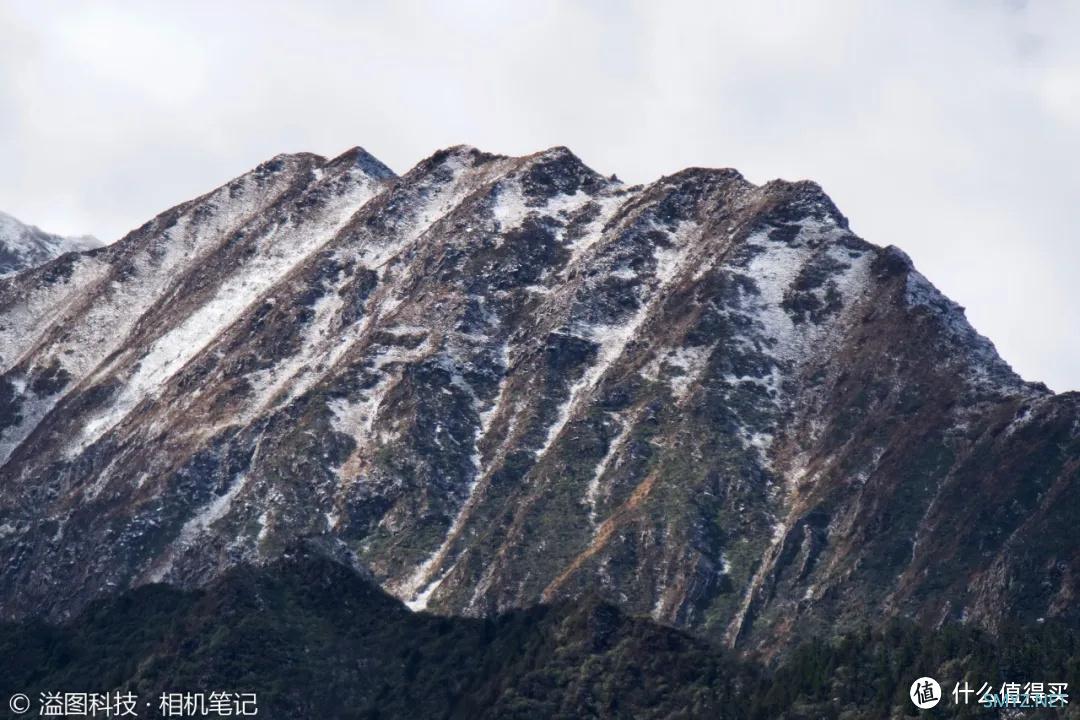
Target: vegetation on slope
{"points": [[314, 639]]}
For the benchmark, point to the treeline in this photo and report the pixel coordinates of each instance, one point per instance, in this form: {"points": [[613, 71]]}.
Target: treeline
{"points": [[314, 639]]}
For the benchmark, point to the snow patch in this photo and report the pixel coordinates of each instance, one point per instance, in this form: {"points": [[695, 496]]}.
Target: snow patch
{"points": [[592, 492], [613, 339], [357, 418], [281, 249], [209, 514]]}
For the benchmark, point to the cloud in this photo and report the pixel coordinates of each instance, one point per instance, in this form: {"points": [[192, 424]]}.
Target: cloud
{"points": [[947, 128]]}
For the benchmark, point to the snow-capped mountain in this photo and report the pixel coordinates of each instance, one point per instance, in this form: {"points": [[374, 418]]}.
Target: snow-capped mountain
{"points": [[23, 246], [495, 381]]}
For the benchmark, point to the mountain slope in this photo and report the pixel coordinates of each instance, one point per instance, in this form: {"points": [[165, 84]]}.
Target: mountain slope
{"points": [[309, 638], [495, 381], [23, 246]]}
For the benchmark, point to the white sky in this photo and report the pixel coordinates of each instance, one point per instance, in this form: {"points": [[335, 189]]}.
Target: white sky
{"points": [[948, 128]]}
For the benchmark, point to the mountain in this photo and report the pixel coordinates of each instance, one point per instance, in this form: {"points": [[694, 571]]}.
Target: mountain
{"points": [[498, 381], [23, 246], [309, 637]]}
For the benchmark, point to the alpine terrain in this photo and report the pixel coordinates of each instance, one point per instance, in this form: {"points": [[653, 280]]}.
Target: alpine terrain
{"points": [[497, 382], [23, 246]]}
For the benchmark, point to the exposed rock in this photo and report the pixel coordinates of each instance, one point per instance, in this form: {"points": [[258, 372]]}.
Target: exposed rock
{"points": [[494, 380]]}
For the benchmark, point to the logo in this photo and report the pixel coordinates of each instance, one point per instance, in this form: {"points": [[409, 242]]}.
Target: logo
{"points": [[925, 693], [19, 704]]}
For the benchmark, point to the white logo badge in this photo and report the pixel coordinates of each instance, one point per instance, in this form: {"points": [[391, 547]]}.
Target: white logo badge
{"points": [[925, 693]]}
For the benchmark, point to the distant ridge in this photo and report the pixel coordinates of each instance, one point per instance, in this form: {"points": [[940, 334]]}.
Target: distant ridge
{"points": [[23, 246]]}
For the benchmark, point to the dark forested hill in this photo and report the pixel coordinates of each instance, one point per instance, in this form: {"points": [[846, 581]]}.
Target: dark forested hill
{"points": [[311, 638]]}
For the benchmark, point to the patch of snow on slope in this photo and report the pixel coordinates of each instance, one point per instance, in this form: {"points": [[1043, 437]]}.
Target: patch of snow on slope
{"points": [[510, 209], [691, 361], [32, 411], [613, 339], [774, 271], [280, 250], [268, 382], [592, 492], [83, 321], [580, 247], [418, 587], [217, 508], [323, 349], [356, 418], [771, 383], [44, 307], [421, 598]]}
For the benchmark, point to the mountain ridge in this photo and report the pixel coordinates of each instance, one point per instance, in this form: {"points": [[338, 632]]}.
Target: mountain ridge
{"points": [[24, 246], [494, 381], [306, 636]]}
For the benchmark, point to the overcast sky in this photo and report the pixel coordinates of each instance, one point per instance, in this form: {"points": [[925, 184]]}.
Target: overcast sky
{"points": [[950, 129]]}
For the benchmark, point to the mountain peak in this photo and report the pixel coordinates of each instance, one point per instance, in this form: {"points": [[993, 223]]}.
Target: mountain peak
{"points": [[495, 381], [361, 158], [24, 246]]}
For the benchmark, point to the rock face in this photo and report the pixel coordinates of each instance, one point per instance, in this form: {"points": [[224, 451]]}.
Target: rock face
{"points": [[497, 381], [24, 246]]}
